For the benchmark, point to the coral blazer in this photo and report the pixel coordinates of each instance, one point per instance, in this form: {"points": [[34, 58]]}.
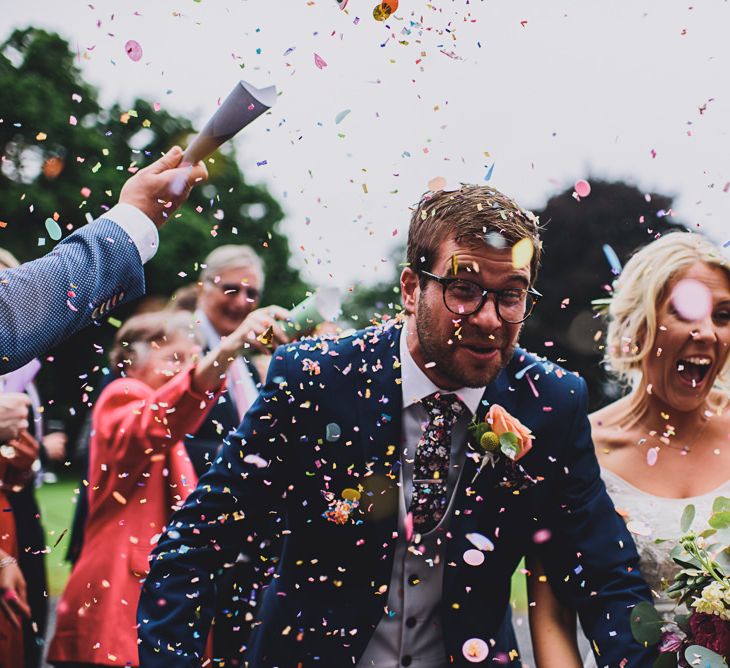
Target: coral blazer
{"points": [[138, 473]]}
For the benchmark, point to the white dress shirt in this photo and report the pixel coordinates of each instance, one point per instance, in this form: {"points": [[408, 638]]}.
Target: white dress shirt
{"points": [[138, 226]]}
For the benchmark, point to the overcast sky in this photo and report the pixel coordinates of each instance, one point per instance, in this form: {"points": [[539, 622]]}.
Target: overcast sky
{"points": [[544, 92]]}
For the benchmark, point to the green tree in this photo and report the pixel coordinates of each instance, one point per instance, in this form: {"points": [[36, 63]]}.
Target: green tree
{"points": [[64, 157], [576, 270]]}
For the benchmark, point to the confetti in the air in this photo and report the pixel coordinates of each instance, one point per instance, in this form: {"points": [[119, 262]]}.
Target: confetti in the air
{"points": [[133, 49]]}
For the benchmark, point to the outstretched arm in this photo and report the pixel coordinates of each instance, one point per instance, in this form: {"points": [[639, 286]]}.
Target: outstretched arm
{"points": [[552, 625], [219, 519], [94, 269], [590, 560]]}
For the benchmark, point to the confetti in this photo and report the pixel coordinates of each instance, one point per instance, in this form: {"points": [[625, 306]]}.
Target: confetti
{"points": [[333, 432], [319, 61], [480, 542], [613, 260], [475, 650], [54, 229], [474, 557], [522, 253], [541, 536], [437, 183], [133, 49], [652, 454], [383, 11], [692, 300], [341, 116], [582, 188]]}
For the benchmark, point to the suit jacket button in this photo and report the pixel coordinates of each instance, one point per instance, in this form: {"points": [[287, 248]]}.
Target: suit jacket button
{"points": [[411, 622], [406, 660]]}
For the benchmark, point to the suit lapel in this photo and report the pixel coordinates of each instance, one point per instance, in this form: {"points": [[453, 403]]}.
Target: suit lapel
{"points": [[379, 404]]}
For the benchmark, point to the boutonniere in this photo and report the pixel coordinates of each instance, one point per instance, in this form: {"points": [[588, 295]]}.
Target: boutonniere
{"points": [[502, 436], [340, 510]]}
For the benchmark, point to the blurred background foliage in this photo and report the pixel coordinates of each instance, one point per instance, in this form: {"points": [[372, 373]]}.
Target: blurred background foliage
{"points": [[65, 157]]}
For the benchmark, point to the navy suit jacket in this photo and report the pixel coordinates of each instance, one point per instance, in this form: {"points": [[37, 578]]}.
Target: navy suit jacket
{"points": [[83, 278], [330, 589]]}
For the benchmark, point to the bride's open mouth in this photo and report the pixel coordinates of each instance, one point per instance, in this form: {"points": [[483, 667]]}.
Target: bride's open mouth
{"points": [[693, 370]]}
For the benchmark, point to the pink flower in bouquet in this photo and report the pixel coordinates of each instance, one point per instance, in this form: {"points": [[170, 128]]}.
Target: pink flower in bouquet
{"points": [[712, 632], [502, 422], [671, 642]]}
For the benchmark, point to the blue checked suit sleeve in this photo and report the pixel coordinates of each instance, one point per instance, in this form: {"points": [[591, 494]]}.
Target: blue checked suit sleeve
{"points": [[45, 301]]}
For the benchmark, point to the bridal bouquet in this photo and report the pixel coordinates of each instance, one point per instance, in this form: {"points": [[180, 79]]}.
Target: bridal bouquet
{"points": [[699, 635]]}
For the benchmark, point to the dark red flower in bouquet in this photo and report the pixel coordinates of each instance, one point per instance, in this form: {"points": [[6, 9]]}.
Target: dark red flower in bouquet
{"points": [[712, 632]]}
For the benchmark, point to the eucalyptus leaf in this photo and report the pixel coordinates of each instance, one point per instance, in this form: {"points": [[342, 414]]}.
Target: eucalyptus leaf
{"points": [[688, 515], [677, 551], [721, 504], [509, 445], [723, 560], [707, 658], [720, 520], [646, 624]]}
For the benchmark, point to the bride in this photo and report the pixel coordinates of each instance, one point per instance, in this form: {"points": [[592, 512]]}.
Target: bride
{"points": [[665, 444]]}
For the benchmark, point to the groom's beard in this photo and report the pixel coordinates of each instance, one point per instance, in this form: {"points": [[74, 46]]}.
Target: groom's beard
{"points": [[453, 360]]}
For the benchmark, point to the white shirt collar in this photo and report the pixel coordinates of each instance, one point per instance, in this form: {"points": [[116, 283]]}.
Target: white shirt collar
{"points": [[416, 384]]}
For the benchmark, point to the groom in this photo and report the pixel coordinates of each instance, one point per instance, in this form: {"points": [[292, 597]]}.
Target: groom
{"points": [[397, 544]]}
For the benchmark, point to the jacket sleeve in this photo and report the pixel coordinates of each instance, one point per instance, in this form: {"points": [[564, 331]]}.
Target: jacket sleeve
{"points": [[45, 301], [222, 517], [591, 560], [132, 414]]}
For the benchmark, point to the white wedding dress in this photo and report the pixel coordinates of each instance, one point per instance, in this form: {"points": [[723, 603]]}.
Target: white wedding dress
{"points": [[649, 517]]}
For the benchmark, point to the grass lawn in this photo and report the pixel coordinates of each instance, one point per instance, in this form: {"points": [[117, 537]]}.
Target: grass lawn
{"points": [[58, 500]]}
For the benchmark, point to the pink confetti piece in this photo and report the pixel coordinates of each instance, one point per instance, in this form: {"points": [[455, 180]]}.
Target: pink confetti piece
{"points": [[652, 454], [409, 527], [541, 536], [692, 300], [474, 557], [133, 49], [319, 61], [85, 192], [71, 306], [582, 188]]}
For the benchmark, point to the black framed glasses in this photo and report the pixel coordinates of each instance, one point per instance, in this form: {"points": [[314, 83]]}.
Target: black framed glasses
{"points": [[463, 297]]}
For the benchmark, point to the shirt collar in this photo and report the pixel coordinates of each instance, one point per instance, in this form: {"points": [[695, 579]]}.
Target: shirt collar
{"points": [[416, 384]]}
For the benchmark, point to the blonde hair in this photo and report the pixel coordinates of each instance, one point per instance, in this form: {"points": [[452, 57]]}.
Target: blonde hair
{"points": [[136, 334], [640, 289]]}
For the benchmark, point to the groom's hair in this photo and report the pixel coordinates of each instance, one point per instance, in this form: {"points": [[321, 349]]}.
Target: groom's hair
{"points": [[472, 215]]}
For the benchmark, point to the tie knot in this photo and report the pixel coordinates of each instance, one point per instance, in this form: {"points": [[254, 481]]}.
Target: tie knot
{"points": [[449, 406]]}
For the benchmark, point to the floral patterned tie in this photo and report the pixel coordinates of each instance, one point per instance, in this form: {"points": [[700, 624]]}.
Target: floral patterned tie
{"points": [[431, 467]]}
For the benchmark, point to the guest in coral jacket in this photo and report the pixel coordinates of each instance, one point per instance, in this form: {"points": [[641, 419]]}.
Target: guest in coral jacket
{"points": [[16, 458], [138, 473]]}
